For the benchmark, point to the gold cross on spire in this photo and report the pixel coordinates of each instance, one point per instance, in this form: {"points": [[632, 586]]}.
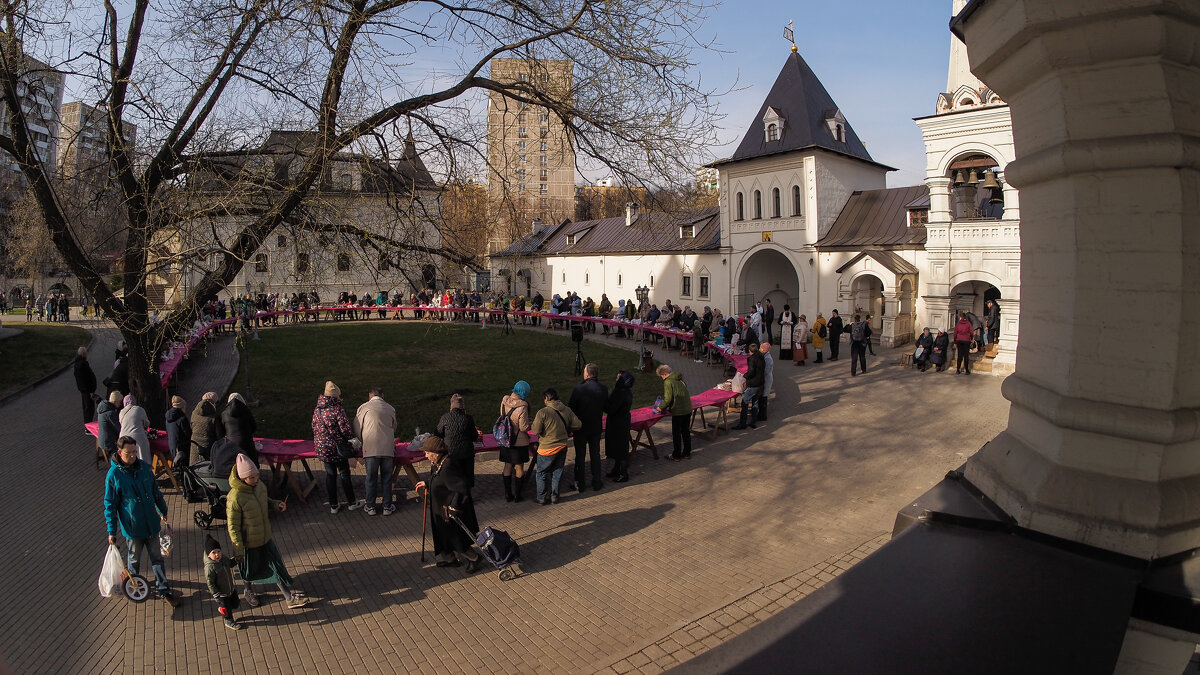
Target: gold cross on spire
{"points": [[790, 36]]}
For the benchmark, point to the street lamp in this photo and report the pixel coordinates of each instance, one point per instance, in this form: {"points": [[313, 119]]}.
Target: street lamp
{"points": [[643, 294]]}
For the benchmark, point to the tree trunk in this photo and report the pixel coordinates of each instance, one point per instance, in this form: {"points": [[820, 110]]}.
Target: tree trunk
{"points": [[144, 376]]}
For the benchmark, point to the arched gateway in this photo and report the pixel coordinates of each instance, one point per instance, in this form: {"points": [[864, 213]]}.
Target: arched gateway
{"points": [[767, 274]]}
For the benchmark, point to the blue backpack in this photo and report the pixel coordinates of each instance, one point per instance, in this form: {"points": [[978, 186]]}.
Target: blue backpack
{"points": [[503, 430]]}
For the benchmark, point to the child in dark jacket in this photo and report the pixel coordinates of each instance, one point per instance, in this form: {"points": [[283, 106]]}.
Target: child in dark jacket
{"points": [[217, 569]]}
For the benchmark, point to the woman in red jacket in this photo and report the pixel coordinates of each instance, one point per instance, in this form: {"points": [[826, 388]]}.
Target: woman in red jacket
{"points": [[962, 343]]}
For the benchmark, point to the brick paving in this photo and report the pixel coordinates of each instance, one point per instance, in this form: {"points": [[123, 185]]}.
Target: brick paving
{"points": [[634, 578]]}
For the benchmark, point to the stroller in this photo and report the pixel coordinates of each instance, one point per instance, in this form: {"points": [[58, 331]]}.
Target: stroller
{"points": [[209, 490], [499, 549]]}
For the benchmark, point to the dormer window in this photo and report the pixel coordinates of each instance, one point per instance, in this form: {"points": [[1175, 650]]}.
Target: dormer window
{"points": [[773, 125], [687, 231], [570, 240], [836, 123], [918, 217]]}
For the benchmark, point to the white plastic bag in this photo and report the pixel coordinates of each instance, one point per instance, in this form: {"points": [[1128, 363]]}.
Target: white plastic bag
{"points": [[739, 382], [164, 540], [111, 572]]}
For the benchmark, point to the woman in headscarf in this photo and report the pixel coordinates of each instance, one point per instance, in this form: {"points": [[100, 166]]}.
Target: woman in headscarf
{"points": [[179, 432], [331, 428], [449, 492], [800, 341], [941, 348], [108, 416], [616, 427], [248, 512], [819, 334], [206, 427], [239, 425], [459, 432], [134, 423], [515, 407]]}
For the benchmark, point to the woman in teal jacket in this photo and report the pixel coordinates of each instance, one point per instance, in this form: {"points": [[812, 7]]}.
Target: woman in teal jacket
{"points": [[134, 504]]}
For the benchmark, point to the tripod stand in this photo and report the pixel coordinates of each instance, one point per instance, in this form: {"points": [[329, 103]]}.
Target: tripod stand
{"points": [[508, 329], [577, 338], [579, 360]]}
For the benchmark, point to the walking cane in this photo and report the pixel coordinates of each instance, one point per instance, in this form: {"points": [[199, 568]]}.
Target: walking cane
{"points": [[424, 517]]}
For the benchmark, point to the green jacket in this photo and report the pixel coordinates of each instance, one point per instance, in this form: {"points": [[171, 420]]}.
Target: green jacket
{"points": [[219, 576], [675, 396], [549, 426], [248, 514]]}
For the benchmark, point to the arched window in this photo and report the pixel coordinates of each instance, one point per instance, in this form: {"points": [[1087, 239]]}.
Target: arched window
{"points": [[757, 204], [301, 263], [796, 200], [776, 207], [343, 262], [772, 132], [840, 133], [741, 207], [260, 263]]}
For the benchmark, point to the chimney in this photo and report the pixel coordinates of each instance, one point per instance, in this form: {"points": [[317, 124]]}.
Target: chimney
{"points": [[631, 213], [537, 222]]}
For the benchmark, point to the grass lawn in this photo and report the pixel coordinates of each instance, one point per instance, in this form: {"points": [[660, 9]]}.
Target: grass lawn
{"points": [[418, 365], [40, 349]]}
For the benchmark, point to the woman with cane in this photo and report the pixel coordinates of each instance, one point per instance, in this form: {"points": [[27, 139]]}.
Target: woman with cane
{"points": [[449, 496]]}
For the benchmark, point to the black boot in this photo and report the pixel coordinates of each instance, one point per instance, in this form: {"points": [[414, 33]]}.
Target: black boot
{"points": [[518, 487], [508, 493]]}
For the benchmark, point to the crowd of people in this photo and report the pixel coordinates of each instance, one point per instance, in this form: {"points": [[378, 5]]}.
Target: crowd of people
{"points": [[135, 509]]}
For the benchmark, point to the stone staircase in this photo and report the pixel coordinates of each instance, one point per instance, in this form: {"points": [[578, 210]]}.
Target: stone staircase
{"points": [[981, 361]]}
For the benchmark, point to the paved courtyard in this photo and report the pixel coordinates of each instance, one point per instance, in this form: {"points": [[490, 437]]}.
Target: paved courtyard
{"points": [[637, 577]]}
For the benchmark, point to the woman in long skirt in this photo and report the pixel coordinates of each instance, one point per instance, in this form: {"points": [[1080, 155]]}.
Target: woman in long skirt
{"points": [[800, 341], [248, 512], [449, 497]]}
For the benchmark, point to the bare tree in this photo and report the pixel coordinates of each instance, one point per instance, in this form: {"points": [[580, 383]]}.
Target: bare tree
{"points": [[199, 77]]}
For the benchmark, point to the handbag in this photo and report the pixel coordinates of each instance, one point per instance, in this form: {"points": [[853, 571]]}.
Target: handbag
{"points": [[920, 352]]}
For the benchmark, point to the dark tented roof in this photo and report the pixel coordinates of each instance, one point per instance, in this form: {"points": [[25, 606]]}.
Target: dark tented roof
{"points": [[649, 233], [876, 218], [805, 105]]}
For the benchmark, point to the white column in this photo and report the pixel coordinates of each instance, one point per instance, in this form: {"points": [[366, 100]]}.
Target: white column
{"points": [[1102, 444]]}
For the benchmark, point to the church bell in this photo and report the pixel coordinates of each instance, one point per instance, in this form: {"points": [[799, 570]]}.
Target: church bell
{"points": [[989, 180], [974, 178], [959, 181]]}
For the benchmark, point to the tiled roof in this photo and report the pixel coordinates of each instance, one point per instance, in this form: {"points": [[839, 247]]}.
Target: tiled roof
{"points": [[649, 233], [876, 218], [800, 98]]}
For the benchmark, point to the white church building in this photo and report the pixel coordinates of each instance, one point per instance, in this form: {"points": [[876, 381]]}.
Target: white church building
{"points": [[805, 219]]}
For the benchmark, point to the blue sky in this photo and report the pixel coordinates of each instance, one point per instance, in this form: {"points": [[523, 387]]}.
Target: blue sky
{"points": [[884, 63]]}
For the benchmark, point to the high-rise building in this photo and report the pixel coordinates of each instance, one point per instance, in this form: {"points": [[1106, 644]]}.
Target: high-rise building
{"points": [[41, 92], [82, 152], [531, 155]]}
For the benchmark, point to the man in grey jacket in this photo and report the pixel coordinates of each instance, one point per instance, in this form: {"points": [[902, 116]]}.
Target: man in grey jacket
{"points": [[375, 426]]}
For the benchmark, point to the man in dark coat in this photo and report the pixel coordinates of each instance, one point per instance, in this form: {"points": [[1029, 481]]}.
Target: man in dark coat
{"points": [[756, 371], [457, 429], [85, 382], [836, 327], [768, 319], [587, 402], [991, 322], [206, 427]]}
